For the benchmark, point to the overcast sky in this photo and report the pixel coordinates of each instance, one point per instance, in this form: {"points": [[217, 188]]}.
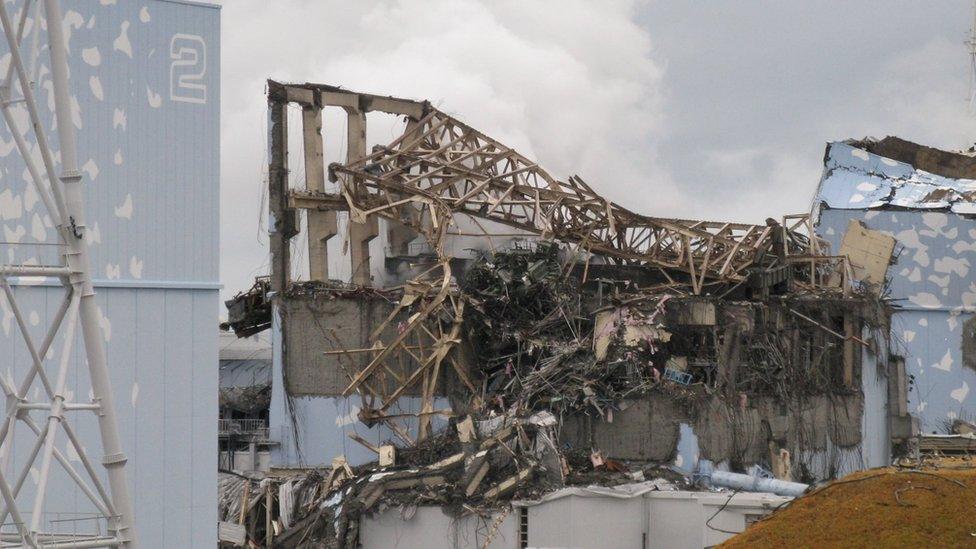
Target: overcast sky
{"points": [[713, 110]]}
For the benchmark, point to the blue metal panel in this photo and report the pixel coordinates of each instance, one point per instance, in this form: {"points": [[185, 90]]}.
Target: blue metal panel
{"points": [[148, 140], [933, 286], [856, 179], [144, 77]]}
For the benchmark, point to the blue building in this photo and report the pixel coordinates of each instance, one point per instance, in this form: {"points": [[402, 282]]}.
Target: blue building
{"points": [[926, 200], [145, 91]]}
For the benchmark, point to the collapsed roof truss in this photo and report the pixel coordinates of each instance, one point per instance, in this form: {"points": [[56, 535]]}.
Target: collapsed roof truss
{"points": [[440, 168]]}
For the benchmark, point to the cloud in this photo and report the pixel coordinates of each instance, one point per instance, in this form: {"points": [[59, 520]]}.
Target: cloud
{"points": [[573, 85], [921, 95]]}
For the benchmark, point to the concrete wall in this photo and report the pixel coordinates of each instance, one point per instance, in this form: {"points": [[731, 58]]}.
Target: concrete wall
{"points": [[934, 291], [243, 461], [312, 429], [830, 436], [314, 326], [149, 154]]}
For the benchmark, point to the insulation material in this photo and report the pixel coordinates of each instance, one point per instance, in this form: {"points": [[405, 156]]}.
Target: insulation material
{"points": [[603, 331], [869, 252]]}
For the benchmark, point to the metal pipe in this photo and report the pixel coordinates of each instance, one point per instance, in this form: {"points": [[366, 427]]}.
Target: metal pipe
{"points": [[36, 356], [66, 541], [67, 406], [749, 483], [114, 459]]}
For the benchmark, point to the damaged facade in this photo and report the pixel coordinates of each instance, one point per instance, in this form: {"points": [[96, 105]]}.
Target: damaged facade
{"points": [[925, 199], [506, 333]]}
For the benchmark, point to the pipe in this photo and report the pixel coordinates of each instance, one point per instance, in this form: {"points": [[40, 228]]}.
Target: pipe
{"points": [[749, 483]]}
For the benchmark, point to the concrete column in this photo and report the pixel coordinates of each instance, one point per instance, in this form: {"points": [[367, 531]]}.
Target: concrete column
{"points": [[282, 223], [360, 234], [321, 224]]}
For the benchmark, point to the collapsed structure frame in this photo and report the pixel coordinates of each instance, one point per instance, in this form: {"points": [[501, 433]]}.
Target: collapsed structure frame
{"points": [[440, 168]]}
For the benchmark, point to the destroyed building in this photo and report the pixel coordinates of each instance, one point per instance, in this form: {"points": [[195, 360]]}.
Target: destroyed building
{"points": [[924, 199], [244, 398], [491, 303]]}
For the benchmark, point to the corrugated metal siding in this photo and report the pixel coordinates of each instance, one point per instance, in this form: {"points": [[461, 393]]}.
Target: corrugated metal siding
{"points": [[161, 343], [933, 284]]}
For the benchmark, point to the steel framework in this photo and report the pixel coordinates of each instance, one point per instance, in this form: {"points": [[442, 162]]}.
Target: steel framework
{"points": [[440, 168], [62, 196]]}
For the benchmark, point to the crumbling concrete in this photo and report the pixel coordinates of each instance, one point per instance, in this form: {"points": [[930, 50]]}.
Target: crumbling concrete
{"points": [[599, 347]]}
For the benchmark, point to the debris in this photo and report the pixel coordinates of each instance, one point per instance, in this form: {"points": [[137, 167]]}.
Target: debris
{"points": [[340, 471], [869, 253], [234, 534], [465, 429], [576, 354], [387, 454], [962, 427], [676, 376], [249, 312]]}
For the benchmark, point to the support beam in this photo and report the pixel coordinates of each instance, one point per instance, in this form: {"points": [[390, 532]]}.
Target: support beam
{"points": [[360, 234], [322, 225], [282, 222]]}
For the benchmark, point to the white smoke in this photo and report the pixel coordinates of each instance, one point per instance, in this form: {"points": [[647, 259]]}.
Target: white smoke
{"points": [[572, 84]]}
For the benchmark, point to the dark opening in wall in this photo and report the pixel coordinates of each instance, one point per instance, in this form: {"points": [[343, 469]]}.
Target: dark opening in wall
{"points": [[969, 342]]}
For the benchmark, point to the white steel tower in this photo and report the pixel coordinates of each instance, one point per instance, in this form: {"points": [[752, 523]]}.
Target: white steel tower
{"points": [[45, 415]]}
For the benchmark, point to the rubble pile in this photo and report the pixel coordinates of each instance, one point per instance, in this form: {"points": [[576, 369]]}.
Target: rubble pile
{"points": [[533, 337], [474, 467], [546, 346], [581, 357]]}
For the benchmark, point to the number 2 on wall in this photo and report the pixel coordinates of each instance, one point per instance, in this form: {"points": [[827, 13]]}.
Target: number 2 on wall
{"points": [[189, 55]]}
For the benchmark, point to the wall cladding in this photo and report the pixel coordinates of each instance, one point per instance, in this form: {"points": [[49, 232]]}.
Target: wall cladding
{"points": [[145, 90], [934, 291]]}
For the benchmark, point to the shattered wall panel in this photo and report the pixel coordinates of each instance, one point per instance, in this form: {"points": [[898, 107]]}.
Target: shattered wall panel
{"points": [[934, 291], [869, 252], [856, 179]]}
